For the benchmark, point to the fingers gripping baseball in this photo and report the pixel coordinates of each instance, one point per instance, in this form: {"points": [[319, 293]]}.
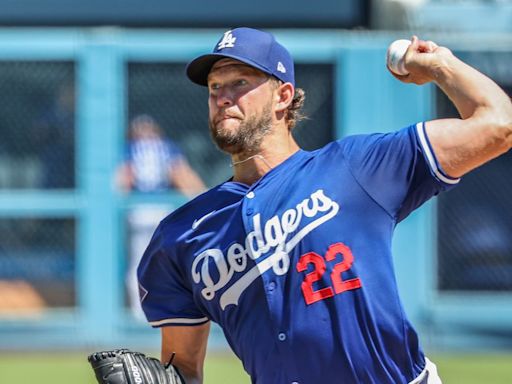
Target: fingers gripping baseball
{"points": [[123, 366], [420, 61]]}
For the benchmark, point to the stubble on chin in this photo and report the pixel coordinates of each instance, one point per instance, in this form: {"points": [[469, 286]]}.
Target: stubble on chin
{"points": [[247, 138]]}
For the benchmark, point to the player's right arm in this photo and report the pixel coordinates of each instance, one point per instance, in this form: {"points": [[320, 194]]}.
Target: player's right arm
{"points": [[188, 344], [484, 130]]}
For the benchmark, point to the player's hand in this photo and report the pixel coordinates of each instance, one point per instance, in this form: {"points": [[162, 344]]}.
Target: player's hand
{"points": [[422, 60]]}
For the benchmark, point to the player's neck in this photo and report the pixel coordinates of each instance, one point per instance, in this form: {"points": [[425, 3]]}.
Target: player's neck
{"points": [[249, 167]]}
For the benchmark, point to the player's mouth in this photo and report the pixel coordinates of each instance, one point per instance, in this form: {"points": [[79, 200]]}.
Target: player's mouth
{"points": [[226, 117]]}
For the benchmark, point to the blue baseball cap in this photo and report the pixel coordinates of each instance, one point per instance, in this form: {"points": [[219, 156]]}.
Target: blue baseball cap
{"points": [[255, 48]]}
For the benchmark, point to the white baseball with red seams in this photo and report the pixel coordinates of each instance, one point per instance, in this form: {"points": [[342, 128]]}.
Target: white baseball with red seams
{"points": [[395, 56]]}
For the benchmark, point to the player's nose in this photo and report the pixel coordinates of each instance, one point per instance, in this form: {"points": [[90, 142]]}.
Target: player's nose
{"points": [[225, 98]]}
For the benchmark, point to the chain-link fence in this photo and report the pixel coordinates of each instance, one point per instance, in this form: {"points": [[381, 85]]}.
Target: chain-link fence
{"points": [[37, 264], [37, 125], [37, 151], [474, 225]]}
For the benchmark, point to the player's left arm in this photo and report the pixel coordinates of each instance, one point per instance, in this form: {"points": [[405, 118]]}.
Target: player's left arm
{"points": [[186, 345], [484, 130]]}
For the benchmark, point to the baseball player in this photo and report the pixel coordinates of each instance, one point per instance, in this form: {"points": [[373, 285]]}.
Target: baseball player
{"points": [[292, 256]]}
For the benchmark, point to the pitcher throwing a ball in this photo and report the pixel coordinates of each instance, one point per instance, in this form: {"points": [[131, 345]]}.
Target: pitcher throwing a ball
{"points": [[292, 256]]}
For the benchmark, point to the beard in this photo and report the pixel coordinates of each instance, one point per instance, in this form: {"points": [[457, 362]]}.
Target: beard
{"points": [[247, 137]]}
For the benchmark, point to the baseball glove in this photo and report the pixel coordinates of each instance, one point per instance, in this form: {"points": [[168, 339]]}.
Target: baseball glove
{"points": [[122, 366]]}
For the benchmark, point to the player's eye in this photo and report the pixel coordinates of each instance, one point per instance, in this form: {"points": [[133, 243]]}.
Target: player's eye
{"points": [[241, 82], [214, 86]]}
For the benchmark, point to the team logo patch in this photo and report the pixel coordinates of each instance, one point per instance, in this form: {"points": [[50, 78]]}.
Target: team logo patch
{"points": [[281, 68], [228, 41], [143, 292]]}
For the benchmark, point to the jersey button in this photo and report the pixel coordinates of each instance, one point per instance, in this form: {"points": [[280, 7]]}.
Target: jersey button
{"points": [[281, 336], [249, 211], [251, 195], [271, 286]]}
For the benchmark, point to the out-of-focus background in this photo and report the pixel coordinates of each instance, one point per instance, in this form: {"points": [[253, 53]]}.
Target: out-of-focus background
{"points": [[88, 90]]}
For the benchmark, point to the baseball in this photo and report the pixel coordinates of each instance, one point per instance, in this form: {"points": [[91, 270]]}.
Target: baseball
{"points": [[395, 56]]}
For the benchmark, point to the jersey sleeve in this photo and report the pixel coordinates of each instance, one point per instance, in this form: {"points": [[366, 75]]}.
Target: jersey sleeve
{"points": [[165, 297], [399, 170]]}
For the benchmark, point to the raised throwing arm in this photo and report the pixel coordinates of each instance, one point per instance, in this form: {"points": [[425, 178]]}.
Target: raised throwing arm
{"points": [[188, 345], [484, 130]]}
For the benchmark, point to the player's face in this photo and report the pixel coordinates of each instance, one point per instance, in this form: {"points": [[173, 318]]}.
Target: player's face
{"points": [[240, 104]]}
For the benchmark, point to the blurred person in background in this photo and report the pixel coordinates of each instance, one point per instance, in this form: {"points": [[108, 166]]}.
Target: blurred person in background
{"points": [[153, 164]]}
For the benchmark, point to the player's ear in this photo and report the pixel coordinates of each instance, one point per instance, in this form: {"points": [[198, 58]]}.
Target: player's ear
{"points": [[284, 96]]}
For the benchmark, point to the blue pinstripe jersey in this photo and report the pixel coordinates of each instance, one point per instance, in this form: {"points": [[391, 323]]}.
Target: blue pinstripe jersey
{"points": [[297, 267]]}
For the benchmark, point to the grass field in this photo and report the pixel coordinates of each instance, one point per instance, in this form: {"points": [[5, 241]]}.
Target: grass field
{"points": [[224, 369]]}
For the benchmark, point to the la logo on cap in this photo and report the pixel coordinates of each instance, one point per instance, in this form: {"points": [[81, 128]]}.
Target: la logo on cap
{"points": [[228, 41]]}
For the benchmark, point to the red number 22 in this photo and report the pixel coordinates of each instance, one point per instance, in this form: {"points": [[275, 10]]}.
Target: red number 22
{"points": [[311, 296]]}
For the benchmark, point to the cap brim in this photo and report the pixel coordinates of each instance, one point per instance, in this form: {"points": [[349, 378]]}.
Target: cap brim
{"points": [[199, 68]]}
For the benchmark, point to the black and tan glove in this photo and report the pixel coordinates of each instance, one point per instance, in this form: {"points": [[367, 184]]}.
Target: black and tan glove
{"points": [[122, 366]]}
